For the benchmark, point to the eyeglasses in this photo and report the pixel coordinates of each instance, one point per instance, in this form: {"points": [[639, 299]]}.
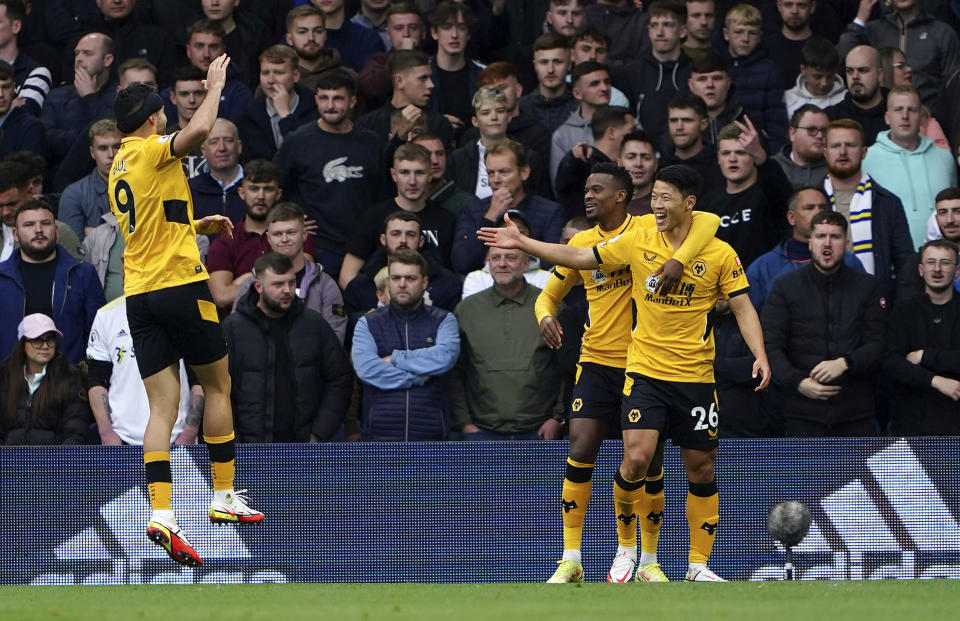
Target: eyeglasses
{"points": [[49, 340], [900, 66], [813, 130], [935, 263]]}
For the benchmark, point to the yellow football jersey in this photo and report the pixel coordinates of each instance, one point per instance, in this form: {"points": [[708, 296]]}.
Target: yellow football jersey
{"points": [[149, 194], [671, 338]]}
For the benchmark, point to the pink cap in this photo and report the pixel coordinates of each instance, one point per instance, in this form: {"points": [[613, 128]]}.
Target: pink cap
{"points": [[36, 325]]}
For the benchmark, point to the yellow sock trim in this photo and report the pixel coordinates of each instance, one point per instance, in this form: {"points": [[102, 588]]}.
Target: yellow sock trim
{"points": [[153, 456], [578, 464], [218, 439], [703, 515]]}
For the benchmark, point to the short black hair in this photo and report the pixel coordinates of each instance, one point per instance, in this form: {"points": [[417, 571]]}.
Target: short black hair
{"points": [[819, 53], [708, 62], [799, 112], [582, 69], [35, 203], [638, 135], [13, 174], [274, 261], [401, 214], [407, 256], [689, 101], [186, 73], [684, 178], [792, 201], [621, 177], [947, 194], [834, 218], [605, 117], [260, 171], [590, 32], [130, 99], [337, 78]]}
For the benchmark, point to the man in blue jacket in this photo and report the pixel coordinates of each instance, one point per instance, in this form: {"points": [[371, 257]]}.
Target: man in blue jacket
{"points": [[43, 278]]}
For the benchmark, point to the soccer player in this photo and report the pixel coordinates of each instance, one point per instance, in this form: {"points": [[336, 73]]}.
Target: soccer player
{"points": [[669, 387], [600, 377], [169, 307]]}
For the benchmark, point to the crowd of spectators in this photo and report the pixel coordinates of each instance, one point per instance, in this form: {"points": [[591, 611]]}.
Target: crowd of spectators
{"points": [[360, 144]]}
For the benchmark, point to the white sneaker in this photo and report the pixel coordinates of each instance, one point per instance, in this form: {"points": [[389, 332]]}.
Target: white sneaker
{"points": [[702, 573], [164, 531], [229, 507], [622, 568]]}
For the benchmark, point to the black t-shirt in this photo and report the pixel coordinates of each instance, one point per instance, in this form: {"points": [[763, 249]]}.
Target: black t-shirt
{"points": [[454, 93], [788, 54], [438, 227], [38, 287], [284, 404]]}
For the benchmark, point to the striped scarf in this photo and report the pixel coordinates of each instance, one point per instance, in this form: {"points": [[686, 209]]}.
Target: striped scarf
{"points": [[861, 219]]}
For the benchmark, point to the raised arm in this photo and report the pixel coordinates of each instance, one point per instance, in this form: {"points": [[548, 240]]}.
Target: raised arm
{"points": [[189, 138]]}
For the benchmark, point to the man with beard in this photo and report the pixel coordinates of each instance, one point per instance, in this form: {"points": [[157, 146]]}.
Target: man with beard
{"points": [[688, 119], [41, 277], [823, 327], [401, 353], [945, 225], [922, 344], [332, 168], [880, 234], [292, 380], [701, 22], [802, 160], [230, 260], [307, 35], [638, 156], [865, 102], [786, 45]]}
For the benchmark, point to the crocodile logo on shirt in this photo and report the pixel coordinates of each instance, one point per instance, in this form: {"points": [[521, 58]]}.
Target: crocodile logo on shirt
{"points": [[337, 170]]}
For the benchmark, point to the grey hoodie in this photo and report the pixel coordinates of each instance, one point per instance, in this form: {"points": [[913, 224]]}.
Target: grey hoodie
{"points": [[800, 95]]}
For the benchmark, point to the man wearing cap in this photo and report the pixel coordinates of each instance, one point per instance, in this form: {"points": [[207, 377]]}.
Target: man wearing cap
{"points": [[42, 277]]}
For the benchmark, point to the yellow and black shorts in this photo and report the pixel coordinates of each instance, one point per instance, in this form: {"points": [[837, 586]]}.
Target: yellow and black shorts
{"points": [[597, 392], [685, 412]]}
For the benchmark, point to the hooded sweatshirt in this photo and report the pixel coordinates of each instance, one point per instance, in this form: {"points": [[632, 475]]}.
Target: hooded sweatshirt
{"points": [[914, 176], [800, 95]]}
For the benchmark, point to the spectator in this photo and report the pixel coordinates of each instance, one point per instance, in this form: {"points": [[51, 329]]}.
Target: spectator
{"points": [[710, 81], [42, 392], [756, 77], [591, 44], [562, 17], [865, 102], [332, 168], [753, 201], [441, 191], [84, 202], [932, 47], [401, 353], [823, 327], [454, 75], [465, 165], [688, 124], [43, 278], [908, 162], [481, 279], [655, 78], [922, 345], [701, 24], [412, 86], [214, 189], [793, 252], [411, 174], [404, 31], [68, 109], [15, 190], [552, 102], [291, 380], [21, 130], [591, 89], [638, 156], [204, 44], [33, 79], [609, 125], [818, 82], [243, 34], [802, 160], [307, 35], [186, 94], [115, 389], [401, 230], [508, 168], [626, 26], [504, 386], [373, 16], [896, 71], [786, 44], [946, 225], [880, 234], [282, 106], [354, 42]]}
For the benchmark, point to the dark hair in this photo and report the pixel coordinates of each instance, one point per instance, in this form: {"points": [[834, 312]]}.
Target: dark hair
{"points": [[684, 178], [404, 60], [582, 69], [33, 164], [819, 53], [427, 136], [621, 177], [834, 218], [605, 117], [581, 223], [792, 201], [403, 8], [708, 62], [186, 73], [671, 8], [15, 10], [260, 171], [799, 112], [273, 261], [406, 256], [689, 101], [13, 175], [447, 12], [337, 78], [589, 32], [6, 70], [638, 135], [551, 41], [400, 214], [59, 386], [940, 243], [285, 212], [206, 26], [947, 194]]}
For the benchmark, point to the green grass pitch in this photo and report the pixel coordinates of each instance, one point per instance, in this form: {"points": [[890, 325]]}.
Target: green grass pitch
{"points": [[740, 601]]}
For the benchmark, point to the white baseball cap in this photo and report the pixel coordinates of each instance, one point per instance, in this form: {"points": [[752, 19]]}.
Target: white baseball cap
{"points": [[36, 325]]}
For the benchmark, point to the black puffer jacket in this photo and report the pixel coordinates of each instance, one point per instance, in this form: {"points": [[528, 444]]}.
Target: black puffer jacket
{"points": [[322, 374], [62, 423], [809, 317]]}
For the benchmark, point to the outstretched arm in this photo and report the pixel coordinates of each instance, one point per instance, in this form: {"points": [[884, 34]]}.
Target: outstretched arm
{"points": [[752, 333], [509, 237]]}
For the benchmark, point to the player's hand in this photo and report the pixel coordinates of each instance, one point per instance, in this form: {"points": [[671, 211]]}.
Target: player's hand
{"points": [[829, 370], [551, 332], [582, 151], [213, 225], [506, 237], [947, 387], [109, 437], [670, 274], [812, 389], [85, 83], [550, 430], [750, 140], [915, 357], [761, 367], [217, 73], [187, 436]]}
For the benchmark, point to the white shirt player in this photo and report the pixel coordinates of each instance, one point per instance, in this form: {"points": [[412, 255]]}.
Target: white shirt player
{"points": [[110, 341]]}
